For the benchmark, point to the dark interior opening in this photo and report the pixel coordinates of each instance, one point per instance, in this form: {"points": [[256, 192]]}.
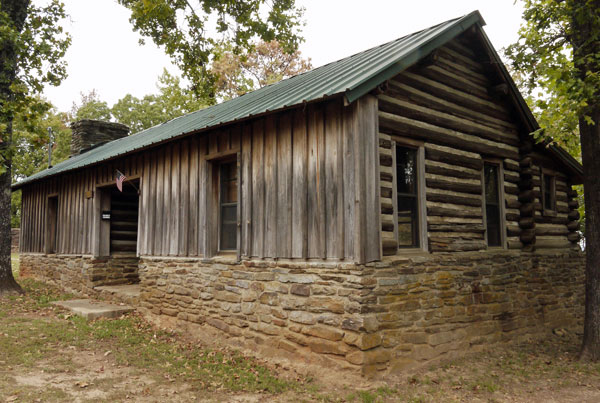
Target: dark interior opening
{"points": [[124, 219]]}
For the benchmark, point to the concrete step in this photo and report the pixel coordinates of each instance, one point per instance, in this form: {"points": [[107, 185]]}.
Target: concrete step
{"points": [[91, 309], [126, 293]]}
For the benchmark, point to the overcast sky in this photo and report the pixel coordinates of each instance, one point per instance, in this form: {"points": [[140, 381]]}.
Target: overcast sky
{"points": [[105, 54]]}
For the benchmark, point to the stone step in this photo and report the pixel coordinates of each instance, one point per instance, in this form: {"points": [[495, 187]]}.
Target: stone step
{"points": [[91, 309], [127, 293]]}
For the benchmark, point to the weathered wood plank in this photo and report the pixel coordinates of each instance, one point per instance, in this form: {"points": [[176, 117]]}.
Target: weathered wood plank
{"points": [[160, 206], [246, 194], [202, 194], [334, 192], [270, 172], [174, 207], [144, 228], [184, 198], [316, 182], [258, 186], [284, 186], [369, 129], [193, 198], [299, 185]]}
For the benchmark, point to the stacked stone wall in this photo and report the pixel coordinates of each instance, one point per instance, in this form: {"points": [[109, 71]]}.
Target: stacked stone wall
{"points": [[310, 311], [373, 319], [79, 274], [428, 307], [377, 318]]}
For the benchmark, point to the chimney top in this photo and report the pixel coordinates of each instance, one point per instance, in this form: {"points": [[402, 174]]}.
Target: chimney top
{"points": [[88, 133]]}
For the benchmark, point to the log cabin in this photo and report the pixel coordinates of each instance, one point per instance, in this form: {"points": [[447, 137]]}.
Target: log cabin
{"points": [[373, 214]]}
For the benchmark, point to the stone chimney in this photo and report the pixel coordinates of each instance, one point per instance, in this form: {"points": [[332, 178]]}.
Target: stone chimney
{"points": [[87, 134]]}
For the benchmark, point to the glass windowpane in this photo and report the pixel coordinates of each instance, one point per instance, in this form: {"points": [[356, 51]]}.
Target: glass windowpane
{"points": [[491, 184], [228, 200], [407, 221], [406, 170], [492, 205], [408, 215]]}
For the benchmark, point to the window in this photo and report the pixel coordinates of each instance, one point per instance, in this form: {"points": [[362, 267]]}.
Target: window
{"points": [[493, 208], [228, 197], [52, 225], [548, 192], [407, 197]]}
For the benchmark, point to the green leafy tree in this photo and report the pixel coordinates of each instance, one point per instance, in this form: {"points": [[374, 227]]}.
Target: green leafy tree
{"points": [[190, 31], [266, 63], [171, 101], [90, 107], [32, 46], [559, 52], [30, 141]]}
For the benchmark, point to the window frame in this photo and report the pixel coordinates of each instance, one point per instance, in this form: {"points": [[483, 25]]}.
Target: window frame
{"points": [[545, 173], [422, 234], [212, 240], [501, 203], [232, 160]]}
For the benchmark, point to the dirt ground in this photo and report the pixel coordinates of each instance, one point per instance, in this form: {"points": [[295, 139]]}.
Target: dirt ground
{"points": [[46, 355]]}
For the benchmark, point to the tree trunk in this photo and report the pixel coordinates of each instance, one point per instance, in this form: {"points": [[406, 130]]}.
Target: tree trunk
{"points": [[8, 285], [590, 150], [585, 28], [16, 10]]}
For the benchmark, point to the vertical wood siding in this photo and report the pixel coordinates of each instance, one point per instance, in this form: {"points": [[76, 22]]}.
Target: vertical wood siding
{"points": [[308, 189]]}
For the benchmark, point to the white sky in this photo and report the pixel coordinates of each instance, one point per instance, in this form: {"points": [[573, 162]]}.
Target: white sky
{"points": [[105, 54]]}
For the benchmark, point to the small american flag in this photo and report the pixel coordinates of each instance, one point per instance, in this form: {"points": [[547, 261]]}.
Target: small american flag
{"points": [[120, 178]]}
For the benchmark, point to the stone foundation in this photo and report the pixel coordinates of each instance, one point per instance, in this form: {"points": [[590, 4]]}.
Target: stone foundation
{"points": [[372, 319], [79, 274], [439, 306], [378, 318]]}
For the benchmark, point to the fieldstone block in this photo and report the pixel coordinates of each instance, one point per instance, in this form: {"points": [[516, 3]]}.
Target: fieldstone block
{"points": [[323, 332], [302, 317], [300, 289], [352, 324], [322, 346], [298, 278], [227, 296], [321, 304], [269, 298]]}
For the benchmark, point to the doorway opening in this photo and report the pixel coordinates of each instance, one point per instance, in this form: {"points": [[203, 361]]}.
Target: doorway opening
{"points": [[124, 219], [52, 225]]}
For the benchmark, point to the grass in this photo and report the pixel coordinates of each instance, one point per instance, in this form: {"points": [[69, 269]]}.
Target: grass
{"points": [[14, 259], [26, 341]]}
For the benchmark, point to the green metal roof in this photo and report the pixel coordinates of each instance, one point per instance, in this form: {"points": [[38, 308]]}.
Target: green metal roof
{"points": [[353, 76]]}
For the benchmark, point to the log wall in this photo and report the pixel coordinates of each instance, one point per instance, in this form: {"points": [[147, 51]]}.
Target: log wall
{"points": [[449, 106], [308, 189]]}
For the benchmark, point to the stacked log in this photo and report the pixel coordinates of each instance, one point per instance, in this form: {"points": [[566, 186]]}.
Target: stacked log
{"points": [[386, 172], [573, 224], [512, 177], [526, 196]]}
